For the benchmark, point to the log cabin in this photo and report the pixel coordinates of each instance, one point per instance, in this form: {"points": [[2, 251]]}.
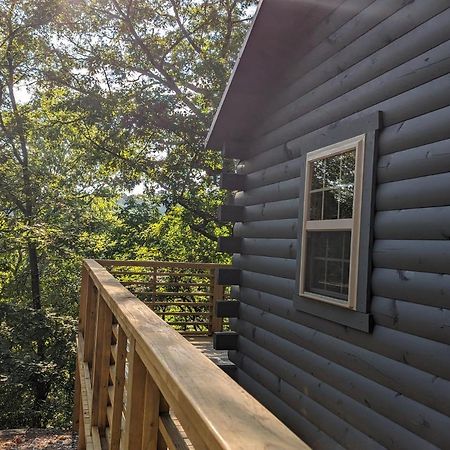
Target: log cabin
{"points": [[335, 132]]}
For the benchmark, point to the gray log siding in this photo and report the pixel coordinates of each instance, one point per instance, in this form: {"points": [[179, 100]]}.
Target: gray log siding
{"points": [[335, 386]]}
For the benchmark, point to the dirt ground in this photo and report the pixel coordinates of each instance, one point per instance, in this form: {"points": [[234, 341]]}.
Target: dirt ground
{"points": [[35, 439]]}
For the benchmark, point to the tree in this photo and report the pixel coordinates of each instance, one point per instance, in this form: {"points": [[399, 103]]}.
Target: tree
{"points": [[117, 93], [49, 188], [152, 73]]}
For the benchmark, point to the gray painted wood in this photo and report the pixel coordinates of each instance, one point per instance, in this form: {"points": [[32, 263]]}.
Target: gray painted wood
{"points": [[284, 190], [416, 224], [418, 256], [430, 34], [324, 357], [316, 438], [320, 415], [358, 401], [432, 289], [416, 162], [434, 323], [423, 354], [345, 43], [283, 228], [355, 64], [277, 248], [423, 192]]}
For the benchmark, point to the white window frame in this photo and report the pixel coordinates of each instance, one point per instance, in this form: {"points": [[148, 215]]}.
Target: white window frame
{"points": [[358, 144]]}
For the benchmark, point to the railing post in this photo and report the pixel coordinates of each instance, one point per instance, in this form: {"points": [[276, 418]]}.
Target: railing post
{"points": [[216, 323], [118, 388], [90, 317], [142, 409], [100, 369], [81, 327]]}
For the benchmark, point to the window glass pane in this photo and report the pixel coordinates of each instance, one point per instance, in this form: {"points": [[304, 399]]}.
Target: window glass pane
{"points": [[332, 171], [348, 167], [318, 174], [346, 203], [315, 210], [332, 184], [328, 263], [331, 202]]}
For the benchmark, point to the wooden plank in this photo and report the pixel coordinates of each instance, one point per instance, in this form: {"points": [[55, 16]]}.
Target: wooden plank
{"points": [[91, 315], [232, 181], [176, 294], [151, 414], [171, 434], [162, 283], [230, 213], [83, 299], [181, 372], [165, 274], [85, 440], [134, 414], [189, 265], [101, 366], [117, 390], [77, 399], [225, 340], [175, 303], [182, 314]]}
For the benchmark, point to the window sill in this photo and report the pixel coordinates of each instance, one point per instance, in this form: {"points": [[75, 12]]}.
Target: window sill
{"points": [[345, 316]]}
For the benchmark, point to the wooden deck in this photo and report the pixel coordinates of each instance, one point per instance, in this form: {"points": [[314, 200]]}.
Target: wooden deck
{"points": [[140, 385], [218, 357]]}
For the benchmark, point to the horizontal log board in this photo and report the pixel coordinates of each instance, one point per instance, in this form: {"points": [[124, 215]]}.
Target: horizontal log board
{"points": [[418, 256], [271, 174], [434, 323], [426, 36], [295, 421], [283, 209], [278, 248], [365, 405], [420, 223], [283, 229], [412, 255], [353, 42], [398, 344], [372, 80], [342, 26], [415, 162], [423, 101], [390, 387], [284, 190], [417, 287], [318, 414], [281, 267], [351, 376], [414, 223], [432, 190], [379, 341], [431, 289]]}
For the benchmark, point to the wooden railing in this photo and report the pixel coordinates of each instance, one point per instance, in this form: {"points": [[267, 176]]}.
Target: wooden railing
{"points": [[182, 294], [141, 385]]}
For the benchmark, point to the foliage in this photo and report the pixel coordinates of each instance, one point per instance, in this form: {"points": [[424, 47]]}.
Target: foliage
{"points": [[20, 365], [97, 97]]}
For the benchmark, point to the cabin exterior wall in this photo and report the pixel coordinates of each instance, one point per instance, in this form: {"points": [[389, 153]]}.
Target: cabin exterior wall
{"points": [[335, 386]]}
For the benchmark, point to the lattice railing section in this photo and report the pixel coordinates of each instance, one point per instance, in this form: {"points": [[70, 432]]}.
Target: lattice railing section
{"points": [[141, 385], [182, 294]]}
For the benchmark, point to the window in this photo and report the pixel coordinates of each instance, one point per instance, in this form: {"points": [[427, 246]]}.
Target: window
{"points": [[331, 223]]}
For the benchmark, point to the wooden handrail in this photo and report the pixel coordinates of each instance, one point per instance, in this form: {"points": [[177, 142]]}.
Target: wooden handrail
{"points": [[153, 281], [169, 384]]}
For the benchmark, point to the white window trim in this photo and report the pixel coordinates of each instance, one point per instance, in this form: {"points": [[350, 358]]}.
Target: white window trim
{"points": [[353, 224]]}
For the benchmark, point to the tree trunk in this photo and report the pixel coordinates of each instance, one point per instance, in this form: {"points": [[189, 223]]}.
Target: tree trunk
{"points": [[35, 277]]}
